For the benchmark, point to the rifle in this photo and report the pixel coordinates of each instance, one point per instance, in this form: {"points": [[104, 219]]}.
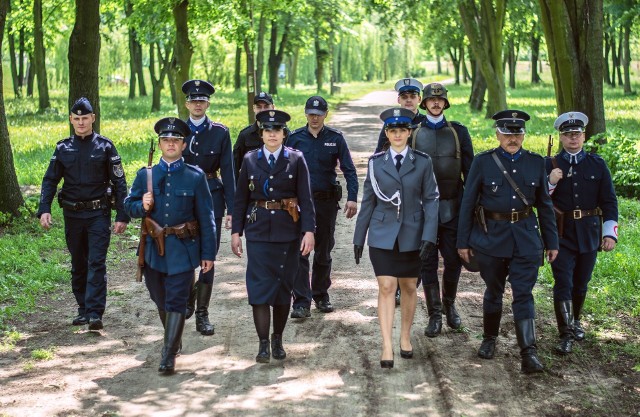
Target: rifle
{"points": [[143, 224], [550, 145]]}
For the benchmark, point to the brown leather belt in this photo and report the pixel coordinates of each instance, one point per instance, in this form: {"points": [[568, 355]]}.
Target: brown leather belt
{"points": [[184, 230], [211, 175], [514, 216], [271, 204], [578, 214]]}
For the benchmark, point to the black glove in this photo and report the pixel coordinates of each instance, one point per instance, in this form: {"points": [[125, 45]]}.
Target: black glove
{"points": [[425, 249], [357, 251]]}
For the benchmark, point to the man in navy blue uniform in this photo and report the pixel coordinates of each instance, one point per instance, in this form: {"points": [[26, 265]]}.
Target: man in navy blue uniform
{"points": [[323, 147], [409, 90], [503, 187], [209, 148], [587, 215], [448, 143], [180, 209], [92, 171], [249, 137]]}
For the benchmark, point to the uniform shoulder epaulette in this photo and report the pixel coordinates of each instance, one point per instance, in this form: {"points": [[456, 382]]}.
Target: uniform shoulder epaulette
{"points": [[290, 149], [247, 127], [194, 168], [422, 154], [487, 152], [377, 155], [217, 124], [99, 136], [535, 154], [333, 129], [453, 122], [253, 151], [63, 140], [595, 156], [300, 129], [141, 169]]}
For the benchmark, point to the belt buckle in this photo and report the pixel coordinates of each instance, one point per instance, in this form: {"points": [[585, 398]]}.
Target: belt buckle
{"points": [[577, 214], [268, 204], [515, 216], [96, 204]]}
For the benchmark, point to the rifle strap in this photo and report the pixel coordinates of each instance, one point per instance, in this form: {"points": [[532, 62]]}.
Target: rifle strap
{"points": [[554, 163], [149, 180], [509, 179]]}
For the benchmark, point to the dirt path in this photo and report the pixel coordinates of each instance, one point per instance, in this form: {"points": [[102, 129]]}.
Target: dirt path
{"points": [[332, 364]]}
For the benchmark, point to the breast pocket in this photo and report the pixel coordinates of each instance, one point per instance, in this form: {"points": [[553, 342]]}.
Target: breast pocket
{"points": [[492, 185], [592, 178], [329, 154], [530, 186], [184, 199], [98, 168]]}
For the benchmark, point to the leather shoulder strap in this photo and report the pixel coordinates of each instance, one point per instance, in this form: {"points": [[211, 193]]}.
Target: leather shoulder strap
{"points": [[455, 135], [509, 179], [414, 134], [554, 163]]}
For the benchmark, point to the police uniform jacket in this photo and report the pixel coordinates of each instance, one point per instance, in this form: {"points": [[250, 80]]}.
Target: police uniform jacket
{"points": [[584, 186], [488, 187], [418, 218], [88, 166], [180, 194], [209, 148], [248, 140], [257, 181], [382, 137], [322, 155]]}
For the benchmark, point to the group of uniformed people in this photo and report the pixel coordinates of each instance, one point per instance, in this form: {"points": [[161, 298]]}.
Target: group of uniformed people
{"points": [[425, 195]]}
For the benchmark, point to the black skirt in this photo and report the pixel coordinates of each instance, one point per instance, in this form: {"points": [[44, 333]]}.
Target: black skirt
{"points": [[271, 270], [395, 263]]}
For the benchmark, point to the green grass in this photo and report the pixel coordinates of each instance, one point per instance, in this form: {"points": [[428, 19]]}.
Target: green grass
{"points": [[43, 354]]}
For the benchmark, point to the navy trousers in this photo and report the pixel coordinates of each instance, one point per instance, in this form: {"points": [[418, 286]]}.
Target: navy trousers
{"points": [[572, 273], [208, 277], [446, 245], [169, 292]]}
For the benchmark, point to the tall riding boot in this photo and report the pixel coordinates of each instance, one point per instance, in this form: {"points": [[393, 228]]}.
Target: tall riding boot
{"points": [[172, 337], [202, 312], [449, 291], [491, 324], [163, 318], [277, 350], [434, 308], [526, 334], [564, 318], [578, 302], [191, 301]]}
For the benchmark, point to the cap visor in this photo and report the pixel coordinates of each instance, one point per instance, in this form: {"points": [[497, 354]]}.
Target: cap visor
{"points": [[572, 129], [507, 131], [315, 111], [198, 98]]}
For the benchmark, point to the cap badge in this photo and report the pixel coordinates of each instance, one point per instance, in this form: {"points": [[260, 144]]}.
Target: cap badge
{"points": [[407, 81], [79, 112], [197, 89], [570, 115], [316, 103], [261, 94], [436, 89], [172, 120], [272, 113], [514, 115], [197, 83], [396, 113]]}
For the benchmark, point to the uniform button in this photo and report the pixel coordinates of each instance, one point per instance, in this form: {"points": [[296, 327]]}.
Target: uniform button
{"points": [[167, 205], [290, 176], [592, 177], [285, 252], [514, 170], [168, 175], [166, 225], [576, 195], [533, 183], [535, 227], [281, 266], [273, 212], [271, 177], [513, 197], [196, 142], [493, 183], [197, 154], [270, 189], [166, 215], [513, 209], [575, 184], [168, 184], [185, 194], [168, 194]]}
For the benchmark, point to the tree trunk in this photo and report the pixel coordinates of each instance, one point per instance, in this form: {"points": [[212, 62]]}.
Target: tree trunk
{"points": [[39, 57], [614, 58], [251, 84], [157, 82], [237, 77], [17, 85], [512, 59], [276, 57], [535, 56], [455, 60], [626, 60], [463, 63], [339, 64], [84, 56], [293, 68], [262, 28], [10, 195], [320, 60], [478, 87], [135, 58], [31, 75], [438, 63], [573, 31], [620, 58], [22, 54], [607, 49], [182, 52]]}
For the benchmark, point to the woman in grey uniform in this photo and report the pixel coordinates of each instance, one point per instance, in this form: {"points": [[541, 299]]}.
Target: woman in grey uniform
{"points": [[400, 212], [274, 209]]}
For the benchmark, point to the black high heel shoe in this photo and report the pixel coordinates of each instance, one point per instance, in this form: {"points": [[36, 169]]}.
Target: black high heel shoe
{"points": [[406, 354], [386, 364]]}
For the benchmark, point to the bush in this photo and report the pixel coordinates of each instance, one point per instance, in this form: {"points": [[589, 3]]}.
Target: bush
{"points": [[621, 154]]}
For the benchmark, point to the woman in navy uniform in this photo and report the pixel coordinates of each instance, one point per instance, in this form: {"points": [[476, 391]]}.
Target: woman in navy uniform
{"points": [[274, 209], [400, 211], [180, 205], [505, 237], [208, 148], [89, 164], [582, 190]]}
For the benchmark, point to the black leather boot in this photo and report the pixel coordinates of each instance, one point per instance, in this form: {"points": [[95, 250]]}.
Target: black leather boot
{"points": [[163, 318], [564, 318], [263, 352], [202, 312], [491, 325], [526, 334], [449, 291], [174, 325], [434, 308], [277, 350], [191, 301], [578, 302]]}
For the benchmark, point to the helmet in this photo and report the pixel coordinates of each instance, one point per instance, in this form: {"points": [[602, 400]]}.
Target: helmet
{"points": [[434, 90]]}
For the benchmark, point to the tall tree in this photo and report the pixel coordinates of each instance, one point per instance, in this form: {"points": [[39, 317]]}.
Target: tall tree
{"points": [[10, 195], [276, 53], [135, 56], [182, 52], [39, 57], [573, 31], [483, 24], [84, 56]]}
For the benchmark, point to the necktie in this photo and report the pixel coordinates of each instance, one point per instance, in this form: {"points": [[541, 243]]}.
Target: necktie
{"points": [[398, 162], [574, 159], [272, 161]]}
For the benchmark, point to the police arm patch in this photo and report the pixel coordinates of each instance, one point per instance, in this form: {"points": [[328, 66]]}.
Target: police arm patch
{"points": [[118, 171]]}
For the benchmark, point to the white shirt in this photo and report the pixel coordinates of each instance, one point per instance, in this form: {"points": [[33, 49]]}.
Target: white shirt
{"points": [[403, 153], [435, 120], [275, 154], [197, 122]]}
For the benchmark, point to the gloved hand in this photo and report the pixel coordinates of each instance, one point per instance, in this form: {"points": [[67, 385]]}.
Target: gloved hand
{"points": [[425, 249], [357, 251]]}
